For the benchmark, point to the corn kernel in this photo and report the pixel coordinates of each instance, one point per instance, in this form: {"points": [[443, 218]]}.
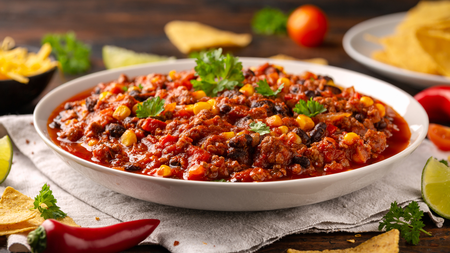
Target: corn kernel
{"points": [[350, 138], [284, 80], [189, 108], [247, 90], [228, 135], [164, 171], [198, 107], [273, 133], [104, 95], [305, 122], [155, 79], [128, 138], [132, 88], [283, 129], [198, 94], [215, 110], [274, 121], [121, 112], [293, 137], [174, 75], [280, 68], [170, 107], [382, 109], [241, 132], [212, 102], [135, 107], [366, 101], [92, 142], [196, 171]]}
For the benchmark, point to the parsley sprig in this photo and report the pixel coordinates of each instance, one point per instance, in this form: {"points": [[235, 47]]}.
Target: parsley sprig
{"points": [[265, 90], [70, 52], [150, 107], [310, 108], [259, 127], [408, 221], [217, 72], [269, 21], [50, 210]]}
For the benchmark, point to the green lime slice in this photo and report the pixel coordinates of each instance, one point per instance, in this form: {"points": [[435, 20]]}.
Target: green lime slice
{"points": [[436, 187], [6, 155], [115, 57]]}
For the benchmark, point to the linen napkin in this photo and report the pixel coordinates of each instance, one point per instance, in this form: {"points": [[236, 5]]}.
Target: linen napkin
{"points": [[205, 231]]}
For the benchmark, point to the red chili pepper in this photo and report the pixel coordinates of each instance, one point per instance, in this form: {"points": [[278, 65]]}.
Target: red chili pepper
{"points": [[54, 236], [436, 102]]}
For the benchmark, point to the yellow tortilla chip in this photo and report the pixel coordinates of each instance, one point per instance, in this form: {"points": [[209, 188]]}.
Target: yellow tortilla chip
{"points": [[435, 41], [193, 36], [17, 203], [8, 216], [425, 13], [384, 243]]}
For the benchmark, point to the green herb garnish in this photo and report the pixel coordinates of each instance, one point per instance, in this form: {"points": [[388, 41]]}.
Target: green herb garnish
{"points": [[50, 210], [217, 72], [140, 86], [269, 21], [125, 88], [259, 127], [150, 107], [265, 90], [310, 108], [444, 162], [70, 52], [407, 221]]}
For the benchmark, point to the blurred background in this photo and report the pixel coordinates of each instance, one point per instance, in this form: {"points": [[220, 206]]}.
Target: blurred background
{"points": [[138, 25]]}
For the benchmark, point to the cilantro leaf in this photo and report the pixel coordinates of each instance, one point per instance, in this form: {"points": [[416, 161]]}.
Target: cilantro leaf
{"points": [[150, 107], [71, 53], [408, 221], [259, 127], [50, 210], [269, 21], [310, 108], [444, 162], [265, 90], [217, 72]]}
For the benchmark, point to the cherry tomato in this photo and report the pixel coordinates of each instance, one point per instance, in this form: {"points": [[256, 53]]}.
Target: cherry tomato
{"points": [[307, 25], [440, 136]]}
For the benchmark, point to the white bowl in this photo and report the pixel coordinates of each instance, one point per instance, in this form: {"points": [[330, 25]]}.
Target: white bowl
{"points": [[360, 49], [238, 196]]}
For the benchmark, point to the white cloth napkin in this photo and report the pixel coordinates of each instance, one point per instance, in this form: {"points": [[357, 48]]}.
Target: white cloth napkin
{"points": [[205, 231]]}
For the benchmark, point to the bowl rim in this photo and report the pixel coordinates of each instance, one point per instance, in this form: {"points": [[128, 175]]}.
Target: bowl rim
{"points": [[311, 180]]}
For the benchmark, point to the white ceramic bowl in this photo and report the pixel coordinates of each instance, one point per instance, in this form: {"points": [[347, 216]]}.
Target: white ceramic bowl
{"points": [[360, 49], [238, 196]]}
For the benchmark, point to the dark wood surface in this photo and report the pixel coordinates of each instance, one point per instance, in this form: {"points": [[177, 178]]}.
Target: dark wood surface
{"points": [[138, 25]]}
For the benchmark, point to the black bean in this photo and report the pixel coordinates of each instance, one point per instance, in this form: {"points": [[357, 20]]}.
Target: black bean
{"points": [[327, 78], [282, 110], [310, 94], [304, 136], [300, 81], [318, 132], [302, 160], [131, 167], [335, 90], [134, 93], [97, 90], [54, 125], [262, 102], [174, 162], [381, 125], [241, 141], [115, 130], [90, 104], [68, 106], [239, 154], [294, 89], [225, 108], [360, 117], [248, 73]]}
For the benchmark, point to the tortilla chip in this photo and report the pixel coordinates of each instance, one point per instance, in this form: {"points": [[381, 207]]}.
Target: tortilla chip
{"points": [[384, 243], [193, 36], [425, 13], [8, 216], [435, 41], [320, 61], [16, 204]]}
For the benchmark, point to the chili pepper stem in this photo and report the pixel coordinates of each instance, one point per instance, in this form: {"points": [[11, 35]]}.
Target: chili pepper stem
{"points": [[37, 239]]}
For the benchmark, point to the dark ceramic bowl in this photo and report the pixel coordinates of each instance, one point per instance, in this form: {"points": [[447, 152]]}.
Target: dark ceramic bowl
{"points": [[14, 94]]}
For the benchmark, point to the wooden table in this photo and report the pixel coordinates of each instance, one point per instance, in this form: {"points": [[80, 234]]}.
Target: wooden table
{"points": [[138, 25]]}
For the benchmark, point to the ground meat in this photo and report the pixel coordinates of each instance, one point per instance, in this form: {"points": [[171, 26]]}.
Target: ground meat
{"points": [[272, 151]]}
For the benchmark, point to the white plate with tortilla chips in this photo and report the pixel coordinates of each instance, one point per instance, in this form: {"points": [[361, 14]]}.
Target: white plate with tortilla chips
{"points": [[360, 48]]}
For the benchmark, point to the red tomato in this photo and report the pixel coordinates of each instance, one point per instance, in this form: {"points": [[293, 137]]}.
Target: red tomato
{"points": [[307, 25], [440, 136]]}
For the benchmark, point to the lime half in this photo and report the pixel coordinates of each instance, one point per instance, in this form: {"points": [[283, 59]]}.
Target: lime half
{"points": [[436, 187], [115, 57], [6, 155]]}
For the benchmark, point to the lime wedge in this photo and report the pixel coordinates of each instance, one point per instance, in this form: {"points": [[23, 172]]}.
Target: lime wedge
{"points": [[436, 187], [6, 155], [115, 57]]}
